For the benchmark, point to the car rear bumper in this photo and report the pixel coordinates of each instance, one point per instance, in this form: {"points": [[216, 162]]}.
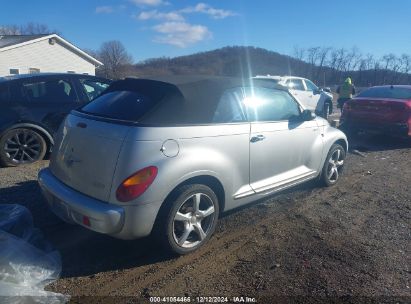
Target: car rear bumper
{"points": [[398, 129], [125, 222]]}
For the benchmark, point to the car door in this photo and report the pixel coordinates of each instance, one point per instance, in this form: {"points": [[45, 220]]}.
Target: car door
{"points": [[284, 148], [49, 99], [298, 90], [314, 95]]}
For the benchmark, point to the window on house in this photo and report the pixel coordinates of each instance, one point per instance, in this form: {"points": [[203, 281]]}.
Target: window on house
{"points": [[34, 70], [14, 71]]}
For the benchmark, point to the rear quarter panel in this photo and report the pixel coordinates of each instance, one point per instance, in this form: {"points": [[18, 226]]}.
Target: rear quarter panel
{"points": [[220, 151]]}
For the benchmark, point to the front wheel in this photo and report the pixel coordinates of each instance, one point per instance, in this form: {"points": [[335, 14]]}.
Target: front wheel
{"points": [[191, 219], [21, 146], [333, 166]]}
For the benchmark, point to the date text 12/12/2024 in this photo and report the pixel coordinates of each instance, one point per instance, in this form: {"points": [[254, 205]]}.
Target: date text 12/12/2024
{"points": [[239, 299]]}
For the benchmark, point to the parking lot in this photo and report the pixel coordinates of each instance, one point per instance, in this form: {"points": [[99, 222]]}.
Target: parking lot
{"points": [[348, 240]]}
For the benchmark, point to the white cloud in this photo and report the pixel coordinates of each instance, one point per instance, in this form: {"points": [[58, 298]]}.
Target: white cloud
{"points": [[154, 14], [148, 2], [181, 34], [208, 10], [104, 9]]}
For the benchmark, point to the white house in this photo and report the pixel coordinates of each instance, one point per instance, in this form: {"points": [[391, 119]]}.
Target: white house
{"points": [[24, 54]]}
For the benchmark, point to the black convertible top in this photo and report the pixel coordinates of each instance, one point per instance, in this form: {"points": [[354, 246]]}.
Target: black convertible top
{"points": [[178, 99], [193, 86]]}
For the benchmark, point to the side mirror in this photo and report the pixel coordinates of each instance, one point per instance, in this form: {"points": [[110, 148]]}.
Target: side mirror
{"points": [[327, 89], [307, 115], [317, 91]]}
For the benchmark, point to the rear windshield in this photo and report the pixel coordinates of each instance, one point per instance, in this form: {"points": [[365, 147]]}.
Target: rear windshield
{"points": [[386, 92], [119, 102], [123, 105]]}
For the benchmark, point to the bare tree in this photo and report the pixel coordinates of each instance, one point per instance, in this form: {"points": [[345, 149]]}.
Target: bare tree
{"points": [[10, 30], [30, 28], [115, 58], [322, 58], [405, 68], [299, 53], [388, 62]]}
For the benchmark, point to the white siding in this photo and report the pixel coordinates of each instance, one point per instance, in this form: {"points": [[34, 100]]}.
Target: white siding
{"points": [[46, 57]]}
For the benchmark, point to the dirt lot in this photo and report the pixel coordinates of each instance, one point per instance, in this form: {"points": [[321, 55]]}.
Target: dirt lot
{"points": [[350, 241]]}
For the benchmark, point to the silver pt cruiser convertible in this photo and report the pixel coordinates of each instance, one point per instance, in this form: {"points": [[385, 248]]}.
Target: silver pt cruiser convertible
{"points": [[169, 155]]}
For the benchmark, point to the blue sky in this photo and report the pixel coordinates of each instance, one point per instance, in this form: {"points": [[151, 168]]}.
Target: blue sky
{"points": [[154, 28]]}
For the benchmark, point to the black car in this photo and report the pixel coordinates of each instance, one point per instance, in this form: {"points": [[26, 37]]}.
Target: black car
{"points": [[32, 107]]}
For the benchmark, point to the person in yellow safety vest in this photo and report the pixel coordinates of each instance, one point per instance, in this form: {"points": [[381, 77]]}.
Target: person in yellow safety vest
{"points": [[345, 92]]}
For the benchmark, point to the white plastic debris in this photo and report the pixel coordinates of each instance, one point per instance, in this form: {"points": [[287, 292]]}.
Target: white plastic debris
{"points": [[27, 261]]}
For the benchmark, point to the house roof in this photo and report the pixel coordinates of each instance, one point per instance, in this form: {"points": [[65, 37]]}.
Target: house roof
{"points": [[8, 42]]}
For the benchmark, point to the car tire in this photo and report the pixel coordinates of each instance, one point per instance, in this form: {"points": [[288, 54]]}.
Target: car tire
{"points": [[190, 219], [21, 146], [333, 166]]}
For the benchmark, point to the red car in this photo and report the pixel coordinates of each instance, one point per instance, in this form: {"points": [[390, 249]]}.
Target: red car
{"points": [[383, 109]]}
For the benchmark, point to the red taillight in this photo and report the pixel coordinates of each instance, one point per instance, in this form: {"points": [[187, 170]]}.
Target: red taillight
{"points": [[135, 185], [86, 220]]}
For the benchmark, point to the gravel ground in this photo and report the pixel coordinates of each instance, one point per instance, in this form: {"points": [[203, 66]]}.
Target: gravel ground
{"points": [[347, 243]]}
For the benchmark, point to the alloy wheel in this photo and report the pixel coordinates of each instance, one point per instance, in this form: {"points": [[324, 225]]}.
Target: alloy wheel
{"points": [[193, 220], [23, 146], [335, 165]]}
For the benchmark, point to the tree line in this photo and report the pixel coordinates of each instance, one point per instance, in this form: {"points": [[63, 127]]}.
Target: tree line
{"points": [[334, 64]]}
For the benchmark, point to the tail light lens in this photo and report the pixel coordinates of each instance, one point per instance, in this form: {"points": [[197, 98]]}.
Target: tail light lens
{"points": [[135, 185]]}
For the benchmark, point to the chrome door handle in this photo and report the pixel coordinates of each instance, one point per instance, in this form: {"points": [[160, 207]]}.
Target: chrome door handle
{"points": [[257, 138]]}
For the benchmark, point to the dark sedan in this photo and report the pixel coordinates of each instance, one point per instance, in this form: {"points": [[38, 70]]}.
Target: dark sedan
{"points": [[382, 109], [33, 106]]}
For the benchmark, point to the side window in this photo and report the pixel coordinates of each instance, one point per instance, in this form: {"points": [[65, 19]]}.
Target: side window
{"points": [[229, 108], [4, 93], [50, 91], [93, 88], [310, 85], [295, 84], [264, 104]]}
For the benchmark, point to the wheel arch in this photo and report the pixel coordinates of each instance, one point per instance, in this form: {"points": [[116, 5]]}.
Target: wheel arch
{"points": [[207, 180], [42, 131], [342, 143]]}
